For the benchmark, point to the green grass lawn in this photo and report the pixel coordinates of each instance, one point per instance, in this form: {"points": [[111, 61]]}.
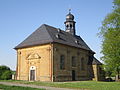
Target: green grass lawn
{"points": [[90, 85], [5, 87]]}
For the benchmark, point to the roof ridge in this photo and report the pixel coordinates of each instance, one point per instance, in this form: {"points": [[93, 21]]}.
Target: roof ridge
{"points": [[49, 26], [45, 25]]}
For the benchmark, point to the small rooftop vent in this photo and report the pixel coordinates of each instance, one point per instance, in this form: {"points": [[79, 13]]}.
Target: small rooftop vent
{"points": [[58, 36], [59, 30], [76, 41]]}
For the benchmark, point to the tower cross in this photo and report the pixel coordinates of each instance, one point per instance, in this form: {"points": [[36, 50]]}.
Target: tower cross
{"points": [[69, 10]]}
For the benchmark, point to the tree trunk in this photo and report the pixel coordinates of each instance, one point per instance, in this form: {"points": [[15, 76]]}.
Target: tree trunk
{"points": [[117, 76]]}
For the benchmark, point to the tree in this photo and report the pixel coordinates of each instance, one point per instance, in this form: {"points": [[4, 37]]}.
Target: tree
{"points": [[5, 73], [110, 33]]}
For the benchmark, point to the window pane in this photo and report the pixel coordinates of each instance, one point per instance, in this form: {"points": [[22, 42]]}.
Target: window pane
{"points": [[82, 64], [73, 61], [62, 62]]}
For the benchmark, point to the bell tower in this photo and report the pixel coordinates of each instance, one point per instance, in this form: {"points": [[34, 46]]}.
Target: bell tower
{"points": [[70, 23]]}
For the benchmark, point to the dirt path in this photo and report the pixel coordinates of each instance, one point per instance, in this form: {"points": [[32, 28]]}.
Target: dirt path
{"points": [[34, 86]]}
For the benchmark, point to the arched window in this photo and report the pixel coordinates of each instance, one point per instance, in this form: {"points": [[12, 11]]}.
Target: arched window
{"points": [[67, 26], [62, 62], [82, 64], [70, 25], [73, 61]]}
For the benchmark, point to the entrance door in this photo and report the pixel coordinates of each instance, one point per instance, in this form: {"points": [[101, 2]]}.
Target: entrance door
{"points": [[73, 75], [32, 75]]}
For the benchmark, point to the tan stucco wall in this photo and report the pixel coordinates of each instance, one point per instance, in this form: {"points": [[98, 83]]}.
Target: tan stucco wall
{"points": [[38, 56], [95, 70], [98, 73], [66, 75]]}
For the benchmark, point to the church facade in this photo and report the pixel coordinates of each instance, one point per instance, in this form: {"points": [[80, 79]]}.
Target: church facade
{"points": [[51, 54]]}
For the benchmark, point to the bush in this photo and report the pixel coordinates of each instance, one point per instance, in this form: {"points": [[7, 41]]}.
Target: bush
{"points": [[5, 73]]}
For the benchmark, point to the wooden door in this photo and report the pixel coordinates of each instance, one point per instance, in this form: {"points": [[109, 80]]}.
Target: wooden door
{"points": [[73, 75], [32, 75]]}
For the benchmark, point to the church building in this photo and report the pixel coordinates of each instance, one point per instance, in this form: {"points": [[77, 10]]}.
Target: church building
{"points": [[52, 54]]}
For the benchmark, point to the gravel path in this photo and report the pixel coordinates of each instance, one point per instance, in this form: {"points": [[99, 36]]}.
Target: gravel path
{"points": [[34, 86]]}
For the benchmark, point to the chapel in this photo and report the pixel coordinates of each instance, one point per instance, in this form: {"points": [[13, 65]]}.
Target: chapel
{"points": [[52, 54]]}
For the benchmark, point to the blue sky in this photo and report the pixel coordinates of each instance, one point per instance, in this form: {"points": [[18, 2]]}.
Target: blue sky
{"points": [[19, 18]]}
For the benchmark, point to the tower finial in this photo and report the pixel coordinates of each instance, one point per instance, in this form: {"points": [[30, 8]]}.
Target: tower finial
{"points": [[69, 10]]}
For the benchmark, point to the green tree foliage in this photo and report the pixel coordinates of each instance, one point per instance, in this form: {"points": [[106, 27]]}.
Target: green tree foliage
{"points": [[110, 33], [5, 73]]}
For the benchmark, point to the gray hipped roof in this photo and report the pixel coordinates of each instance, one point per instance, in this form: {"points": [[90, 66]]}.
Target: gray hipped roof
{"points": [[48, 34]]}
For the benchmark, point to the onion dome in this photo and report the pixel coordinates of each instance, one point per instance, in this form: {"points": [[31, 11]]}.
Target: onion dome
{"points": [[69, 17]]}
